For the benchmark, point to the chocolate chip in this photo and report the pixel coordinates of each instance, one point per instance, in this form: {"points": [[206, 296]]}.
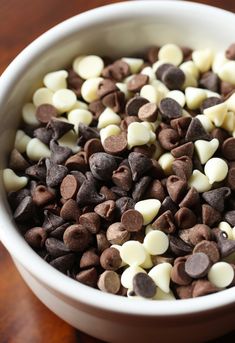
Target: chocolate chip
{"points": [[132, 220], [137, 82], [55, 173], [36, 237], [59, 153], [106, 209], [179, 276], [182, 167], [210, 216], [168, 204], [226, 89], [184, 292], [91, 221], [51, 221], [140, 187], [144, 286], [139, 164], [102, 165], [87, 193], [37, 171], [115, 145], [187, 53], [134, 104], [165, 222], [86, 133], [152, 54], [77, 238], [92, 146], [230, 217], [59, 231], [101, 241], [25, 210], [77, 162], [220, 134], [45, 113], [179, 247], [208, 248], [176, 188], [196, 131], [170, 108], [148, 112], [119, 192], [231, 178], [181, 125], [74, 82], [89, 259], [59, 128], [115, 101], [162, 69], [42, 195], [17, 161], [110, 259], [44, 134], [197, 265], [69, 187], [117, 234], [173, 78], [186, 149], [123, 204], [216, 197], [155, 191], [168, 138], [96, 107], [198, 233], [230, 52], [203, 287], [70, 211], [226, 246], [55, 247], [228, 148], [185, 218], [109, 195], [209, 80], [117, 71], [88, 277], [63, 263], [106, 87], [191, 199], [122, 178], [109, 282]]}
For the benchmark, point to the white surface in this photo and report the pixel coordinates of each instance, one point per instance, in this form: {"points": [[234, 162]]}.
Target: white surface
{"points": [[121, 29]]}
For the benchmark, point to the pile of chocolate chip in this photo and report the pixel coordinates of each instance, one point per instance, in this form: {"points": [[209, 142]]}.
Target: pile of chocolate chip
{"points": [[123, 172]]}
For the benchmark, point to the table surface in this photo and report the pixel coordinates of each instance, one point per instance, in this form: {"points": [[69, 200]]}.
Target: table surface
{"points": [[23, 318]]}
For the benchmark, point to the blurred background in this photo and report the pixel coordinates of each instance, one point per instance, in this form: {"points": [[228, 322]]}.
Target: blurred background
{"points": [[23, 319]]}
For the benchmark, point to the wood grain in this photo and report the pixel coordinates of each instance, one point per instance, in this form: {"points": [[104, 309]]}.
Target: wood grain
{"points": [[23, 318]]}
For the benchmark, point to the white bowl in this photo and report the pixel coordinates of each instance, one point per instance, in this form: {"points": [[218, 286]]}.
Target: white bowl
{"points": [[116, 30]]}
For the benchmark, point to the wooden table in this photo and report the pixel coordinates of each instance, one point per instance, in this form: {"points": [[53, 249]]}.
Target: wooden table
{"points": [[23, 318]]}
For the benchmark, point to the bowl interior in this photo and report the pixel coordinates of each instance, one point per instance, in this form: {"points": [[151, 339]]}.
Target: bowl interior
{"points": [[116, 30]]}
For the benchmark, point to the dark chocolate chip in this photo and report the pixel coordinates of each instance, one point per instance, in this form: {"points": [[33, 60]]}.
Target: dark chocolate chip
{"points": [[89, 259], [165, 222], [182, 167], [168, 204], [170, 108], [185, 218], [139, 164], [134, 104], [56, 247], [87, 193], [122, 178], [36, 237], [162, 69], [137, 82], [123, 204], [74, 82], [51, 221], [226, 246], [106, 209], [197, 265], [186, 149], [45, 113], [216, 197], [230, 217], [106, 87], [155, 191], [168, 138], [181, 125], [59, 153], [179, 276], [209, 102], [209, 80], [86, 133], [176, 188], [228, 149], [44, 134], [102, 165], [140, 187], [55, 173], [37, 171], [208, 248], [25, 210], [115, 101], [210, 216], [173, 78], [179, 247], [196, 131], [152, 54], [17, 161], [144, 286], [77, 238], [63, 263]]}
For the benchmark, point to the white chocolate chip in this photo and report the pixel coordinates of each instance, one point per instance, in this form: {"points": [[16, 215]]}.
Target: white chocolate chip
{"points": [[64, 100], [209, 94], [186, 114], [134, 63], [150, 127], [161, 89], [149, 72], [225, 227], [29, 114], [160, 295], [70, 140], [203, 59], [128, 274], [194, 97], [216, 169], [148, 228], [150, 93], [170, 53], [137, 134], [78, 116], [90, 66], [177, 96], [158, 151], [231, 102], [108, 117], [110, 130], [56, 80], [123, 88], [149, 208], [43, 96], [21, 141], [199, 181], [148, 263], [76, 63], [218, 61], [205, 150], [36, 150], [229, 121], [156, 242], [190, 81], [161, 275], [189, 67], [206, 122], [217, 113], [13, 182], [89, 89], [165, 161], [133, 253], [221, 274], [118, 247], [227, 72]]}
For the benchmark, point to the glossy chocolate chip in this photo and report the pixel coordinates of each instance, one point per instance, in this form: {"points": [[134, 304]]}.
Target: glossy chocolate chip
{"points": [[144, 286]]}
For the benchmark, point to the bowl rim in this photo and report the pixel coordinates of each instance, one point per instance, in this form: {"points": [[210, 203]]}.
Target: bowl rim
{"points": [[12, 239]]}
